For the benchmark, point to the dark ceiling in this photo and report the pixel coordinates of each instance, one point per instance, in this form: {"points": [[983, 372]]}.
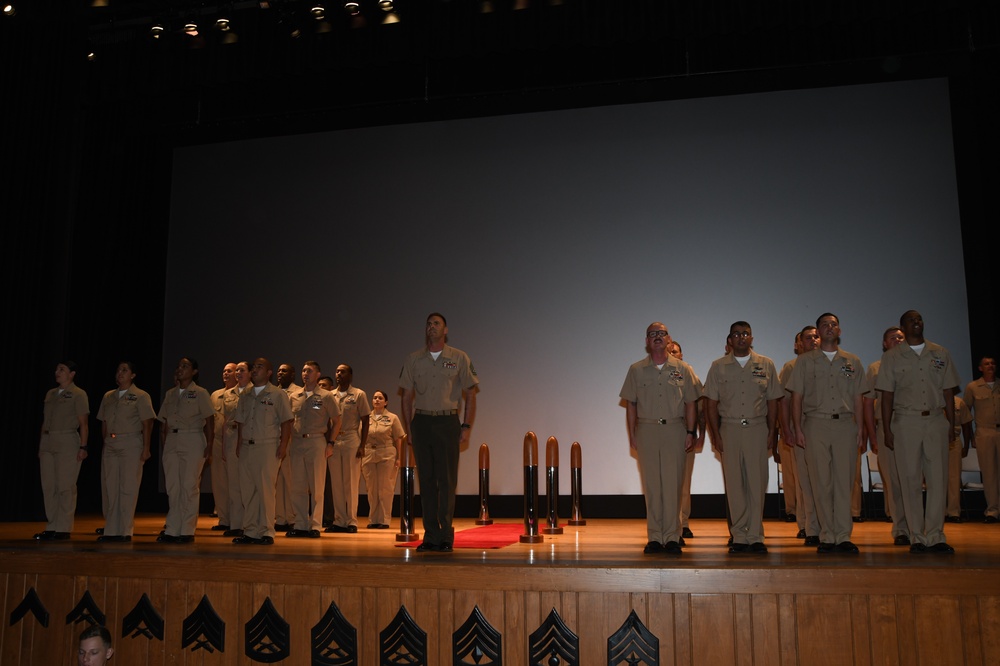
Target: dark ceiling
{"points": [[278, 69]]}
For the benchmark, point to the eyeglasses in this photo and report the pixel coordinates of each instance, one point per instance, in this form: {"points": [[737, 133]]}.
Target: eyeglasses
{"points": [[656, 334], [740, 334]]}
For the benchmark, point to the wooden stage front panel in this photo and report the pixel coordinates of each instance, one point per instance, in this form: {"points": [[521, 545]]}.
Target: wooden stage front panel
{"points": [[791, 606]]}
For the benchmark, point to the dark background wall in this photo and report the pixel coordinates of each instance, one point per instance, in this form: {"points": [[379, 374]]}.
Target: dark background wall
{"points": [[87, 146]]}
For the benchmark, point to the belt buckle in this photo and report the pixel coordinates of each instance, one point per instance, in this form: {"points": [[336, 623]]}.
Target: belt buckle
{"points": [[661, 421], [744, 422], [835, 416]]}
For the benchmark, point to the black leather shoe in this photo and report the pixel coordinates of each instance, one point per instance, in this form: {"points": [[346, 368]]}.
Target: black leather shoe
{"points": [[445, 547], [918, 548], [757, 547], [185, 538], [220, 528], [672, 548], [352, 529], [282, 527], [264, 541], [790, 518], [941, 548], [381, 526], [168, 538], [337, 529], [426, 547], [99, 530], [825, 547], [245, 540], [738, 548], [989, 520], [61, 535], [901, 540], [801, 534], [371, 526], [233, 533], [313, 534], [686, 533], [858, 519], [297, 534], [952, 519], [812, 541], [846, 547], [653, 548], [46, 535]]}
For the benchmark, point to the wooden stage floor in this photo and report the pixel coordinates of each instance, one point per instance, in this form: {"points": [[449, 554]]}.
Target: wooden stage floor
{"points": [[789, 606], [599, 543]]}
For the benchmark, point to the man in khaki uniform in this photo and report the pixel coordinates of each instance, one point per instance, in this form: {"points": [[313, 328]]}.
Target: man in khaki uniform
{"points": [[264, 419], [741, 400], [63, 446], [827, 386], [126, 415], [983, 397], [660, 393], [316, 425], [217, 461], [230, 442], [892, 497], [188, 425], [284, 511], [674, 349], [345, 460], [439, 382], [917, 380]]}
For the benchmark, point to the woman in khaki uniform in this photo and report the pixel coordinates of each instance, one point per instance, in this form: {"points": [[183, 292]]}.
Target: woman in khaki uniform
{"points": [[62, 448], [126, 415], [381, 461]]}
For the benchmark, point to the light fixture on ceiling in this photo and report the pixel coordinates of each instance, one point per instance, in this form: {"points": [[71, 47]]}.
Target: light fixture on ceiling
{"points": [[156, 30], [388, 6], [9, 9], [318, 11], [191, 28]]}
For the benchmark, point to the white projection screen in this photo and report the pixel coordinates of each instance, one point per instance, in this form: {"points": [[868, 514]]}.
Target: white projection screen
{"points": [[551, 240]]}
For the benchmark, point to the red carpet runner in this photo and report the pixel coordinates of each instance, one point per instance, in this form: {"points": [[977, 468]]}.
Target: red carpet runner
{"points": [[497, 535]]}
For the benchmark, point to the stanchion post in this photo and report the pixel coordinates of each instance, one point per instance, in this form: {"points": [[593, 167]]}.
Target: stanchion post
{"points": [[484, 486], [531, 534], [576, 478], [405, 456], [552, 486]]}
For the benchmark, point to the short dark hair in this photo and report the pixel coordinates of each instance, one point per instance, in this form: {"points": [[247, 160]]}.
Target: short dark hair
{"points": [[437, 314], [827, 314], [97, 631], [70, 365], [314, 364], [738, 323]]}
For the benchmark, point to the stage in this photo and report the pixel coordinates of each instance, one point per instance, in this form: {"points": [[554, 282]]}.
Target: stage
{"points": [[706, 606]]}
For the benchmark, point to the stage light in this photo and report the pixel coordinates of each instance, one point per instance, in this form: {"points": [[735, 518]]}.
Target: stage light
{"points": [[191, 29], [222, 24], [388, 7], [156, 31], [91, 56], [9, 9], [352, 7], [318, 11]]}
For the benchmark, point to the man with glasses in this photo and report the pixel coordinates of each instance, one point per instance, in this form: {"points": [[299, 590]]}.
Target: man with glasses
{"points": [[742, 394], [660, 393]]}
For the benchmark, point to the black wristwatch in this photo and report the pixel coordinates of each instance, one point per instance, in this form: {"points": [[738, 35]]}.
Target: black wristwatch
{"points": [[466, 425], [693, 433]]}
